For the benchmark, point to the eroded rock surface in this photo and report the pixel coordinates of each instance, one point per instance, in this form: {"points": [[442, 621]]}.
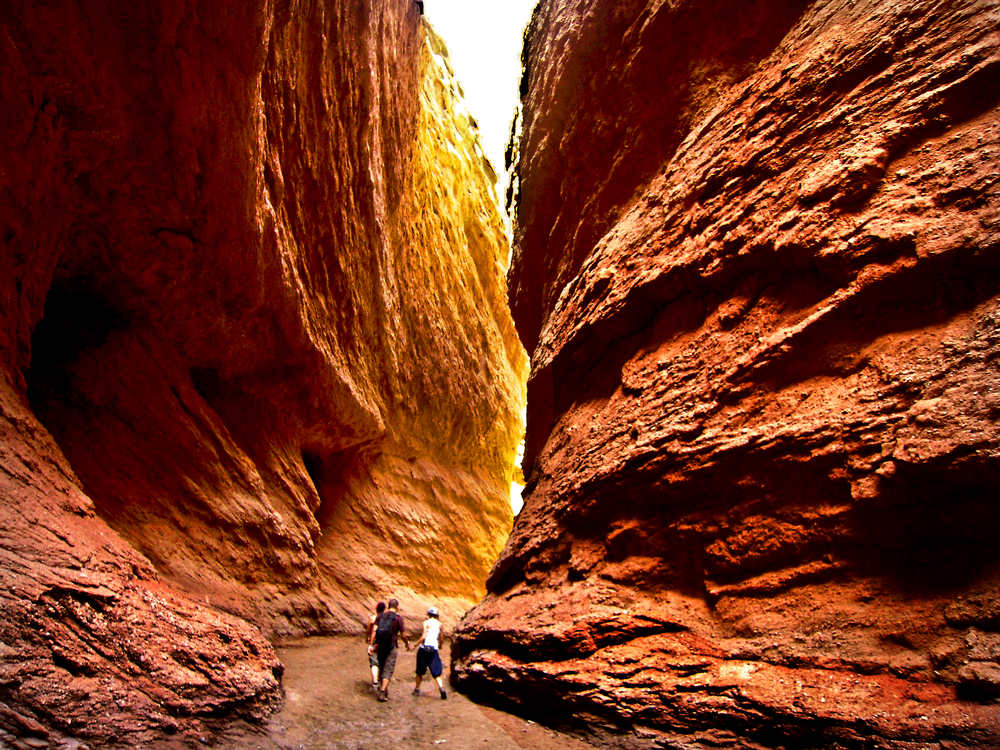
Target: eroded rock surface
{"points": [[256, 356], [757, 266]]}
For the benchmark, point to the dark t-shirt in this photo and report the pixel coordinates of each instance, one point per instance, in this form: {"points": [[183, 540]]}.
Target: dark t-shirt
{"points": [[397, 628]]}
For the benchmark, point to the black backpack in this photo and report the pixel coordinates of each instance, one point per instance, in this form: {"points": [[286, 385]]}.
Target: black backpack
{"points": [[385, 629]]}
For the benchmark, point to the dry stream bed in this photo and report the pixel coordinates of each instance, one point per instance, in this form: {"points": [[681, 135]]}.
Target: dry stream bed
{"points": [[328, 704]]}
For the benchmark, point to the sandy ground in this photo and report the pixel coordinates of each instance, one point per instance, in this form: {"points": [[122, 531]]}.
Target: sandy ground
{"points": [[328, 704]]}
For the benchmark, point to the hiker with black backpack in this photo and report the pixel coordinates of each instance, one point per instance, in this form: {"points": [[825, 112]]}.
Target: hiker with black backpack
{"points": [[385, 642]]}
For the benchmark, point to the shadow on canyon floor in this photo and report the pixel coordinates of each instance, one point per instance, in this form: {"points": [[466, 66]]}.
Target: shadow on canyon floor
{"points": [[328, 704]]}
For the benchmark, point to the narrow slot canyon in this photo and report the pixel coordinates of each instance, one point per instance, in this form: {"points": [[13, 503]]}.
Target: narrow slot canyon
{"points": [[274, 350]]}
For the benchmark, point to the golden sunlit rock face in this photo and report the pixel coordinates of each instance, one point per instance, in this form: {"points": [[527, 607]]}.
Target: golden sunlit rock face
{"points": [[756, 265], [257, 361]]}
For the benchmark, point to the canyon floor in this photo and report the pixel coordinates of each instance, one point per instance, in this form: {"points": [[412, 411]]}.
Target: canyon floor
{"points": [[328, 704]]}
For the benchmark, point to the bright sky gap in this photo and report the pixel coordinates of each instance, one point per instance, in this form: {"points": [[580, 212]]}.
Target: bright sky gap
{"points": [[484, 39], [484, 42]]}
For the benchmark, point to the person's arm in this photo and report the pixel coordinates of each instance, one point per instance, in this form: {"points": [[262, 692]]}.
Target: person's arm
{"points": [[423, 635], [402, 632]]}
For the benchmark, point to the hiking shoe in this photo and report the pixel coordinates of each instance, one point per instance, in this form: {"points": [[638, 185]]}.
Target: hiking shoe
{"points": [[383, 695], [416, 691], [444, 695], [374, 687]]}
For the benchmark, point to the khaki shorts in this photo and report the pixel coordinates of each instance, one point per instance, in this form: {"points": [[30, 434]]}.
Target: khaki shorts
{"points": [[386, 664]]}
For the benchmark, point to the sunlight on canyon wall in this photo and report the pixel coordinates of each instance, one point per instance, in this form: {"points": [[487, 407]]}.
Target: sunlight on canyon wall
{"points": [[258, 369]]}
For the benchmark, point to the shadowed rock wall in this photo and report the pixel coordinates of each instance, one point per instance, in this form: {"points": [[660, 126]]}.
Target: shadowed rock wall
{"points": [[255, 356], [757, 267]]}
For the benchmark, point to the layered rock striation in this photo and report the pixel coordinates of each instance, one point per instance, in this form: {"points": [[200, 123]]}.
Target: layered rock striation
{"points": [[256, 361], [757, 267]]}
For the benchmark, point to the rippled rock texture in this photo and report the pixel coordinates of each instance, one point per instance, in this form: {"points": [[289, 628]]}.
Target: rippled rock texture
{"points": [[757, 267], [256, 356]]}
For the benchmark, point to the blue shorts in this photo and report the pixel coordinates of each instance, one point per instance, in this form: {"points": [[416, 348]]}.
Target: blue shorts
{"points": [[428, 658]]}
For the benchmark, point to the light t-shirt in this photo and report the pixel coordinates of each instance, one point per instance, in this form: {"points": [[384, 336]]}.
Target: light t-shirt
{"points": [[432, 631]]}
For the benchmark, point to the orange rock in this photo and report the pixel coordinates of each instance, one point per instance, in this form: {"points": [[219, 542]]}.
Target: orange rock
{"points": [[256, 356], [756, 265]]}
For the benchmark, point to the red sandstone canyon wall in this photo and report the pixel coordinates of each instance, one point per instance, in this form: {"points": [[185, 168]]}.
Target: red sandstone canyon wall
{"points": [[756, 265], [256, 360]]}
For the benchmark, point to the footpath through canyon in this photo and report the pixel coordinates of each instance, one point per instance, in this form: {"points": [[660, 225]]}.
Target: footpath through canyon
{"points": [[328, 704], [263, 363]]}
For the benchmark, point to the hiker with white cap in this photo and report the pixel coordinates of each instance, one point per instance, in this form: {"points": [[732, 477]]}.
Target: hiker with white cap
{"points": [[427, 654]]}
